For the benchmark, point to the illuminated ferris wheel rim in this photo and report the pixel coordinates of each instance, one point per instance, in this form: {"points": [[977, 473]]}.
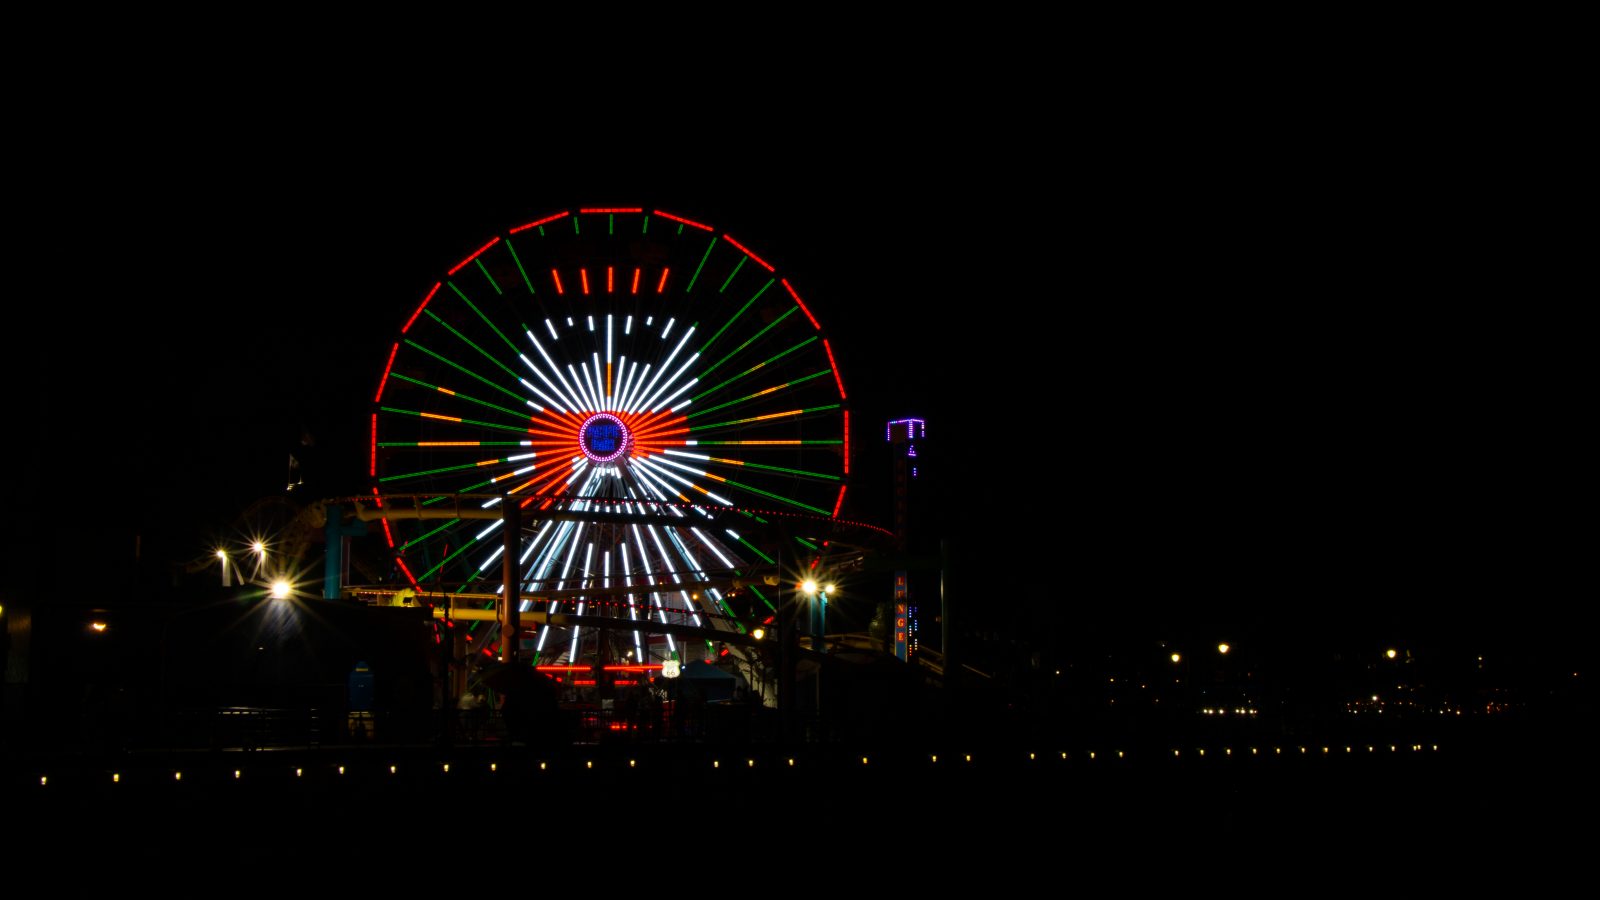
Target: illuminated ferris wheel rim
{"points": [[630, 395]]}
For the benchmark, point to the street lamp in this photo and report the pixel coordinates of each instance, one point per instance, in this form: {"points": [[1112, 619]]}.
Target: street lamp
{"points": [[819, 612]]}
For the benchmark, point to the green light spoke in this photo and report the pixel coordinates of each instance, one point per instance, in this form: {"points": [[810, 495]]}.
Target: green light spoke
{"points": [[575, 225], [518, 260], [755, 367], [702, 261], [422, 537], [473, 487], [770, 560], [485, 270], [465, 370], [790, 501], [751, 465], [761, 393], [437, 418], [750, 340], [750, 515], [742, 261], [760, 596], [611, 223], [457, 394], [798, 412], [728, 612], [646, 228], [459, 550], [468, 341], [807, 543], [736, 315], [470, 465], [485, 319]]}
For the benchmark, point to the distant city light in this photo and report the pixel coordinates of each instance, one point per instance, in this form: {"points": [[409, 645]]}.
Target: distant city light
{"points": [[1389, 653], [280, 589], [1176, 657], [1222, 648]]}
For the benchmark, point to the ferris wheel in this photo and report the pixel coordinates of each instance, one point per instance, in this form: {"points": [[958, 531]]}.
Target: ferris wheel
{"points": [[651, 393]]}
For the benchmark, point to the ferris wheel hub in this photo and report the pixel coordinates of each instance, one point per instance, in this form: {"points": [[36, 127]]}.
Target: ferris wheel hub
{"points": [[604, 438]]}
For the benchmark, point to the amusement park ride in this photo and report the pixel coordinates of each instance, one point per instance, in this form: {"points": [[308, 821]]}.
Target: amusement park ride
{"points": [[605, 443]]}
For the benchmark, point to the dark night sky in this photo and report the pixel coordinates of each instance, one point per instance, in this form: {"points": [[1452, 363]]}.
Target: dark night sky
{"points": [[1187, 360]]}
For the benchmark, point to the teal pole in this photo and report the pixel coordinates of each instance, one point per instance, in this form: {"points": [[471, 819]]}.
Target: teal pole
{"points": [[333, 560]]}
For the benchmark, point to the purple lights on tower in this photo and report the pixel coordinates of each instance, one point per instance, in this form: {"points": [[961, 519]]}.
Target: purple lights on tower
{"points": [[914, 429]]}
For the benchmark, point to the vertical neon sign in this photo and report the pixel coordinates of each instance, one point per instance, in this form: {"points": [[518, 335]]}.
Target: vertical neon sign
{"points": [[900, 616]]}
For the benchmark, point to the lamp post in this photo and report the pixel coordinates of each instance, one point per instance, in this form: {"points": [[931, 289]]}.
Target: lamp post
{"points": [[818, 613]]}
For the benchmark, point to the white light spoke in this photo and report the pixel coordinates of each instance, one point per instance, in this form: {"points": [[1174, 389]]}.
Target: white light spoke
{"points": [[652, 394], [711, 545], [653, 403], [558, 407], [633, 389], [668, 363], [589, 395], [555, 369]]}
